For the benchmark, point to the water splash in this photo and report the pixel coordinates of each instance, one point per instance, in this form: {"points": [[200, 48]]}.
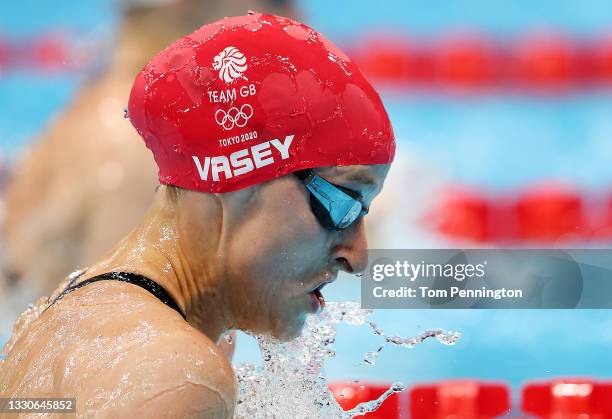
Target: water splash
{"points": [[292, 382], [372, 405], [291, 379], [444, 337]]}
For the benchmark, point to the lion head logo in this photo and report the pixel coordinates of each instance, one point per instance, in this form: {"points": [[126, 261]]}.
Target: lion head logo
{"points": [[231, 63]]}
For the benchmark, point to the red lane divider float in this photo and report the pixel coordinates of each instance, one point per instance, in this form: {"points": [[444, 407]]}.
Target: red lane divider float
{"points": [[568, 398], [548, 60], [463, 214], [349, 395], [459, 400], [551, 213], [3, 54], [538, 60], [603, 56], [466, 399], [543, 214], [465, 61], [49, 52]]}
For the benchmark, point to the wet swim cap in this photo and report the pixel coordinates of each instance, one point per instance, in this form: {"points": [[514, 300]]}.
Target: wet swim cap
{"points": [[251, 98]]}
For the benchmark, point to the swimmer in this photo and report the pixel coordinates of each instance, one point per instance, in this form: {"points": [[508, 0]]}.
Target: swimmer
{"points": [[242, 237], [56, 221]]}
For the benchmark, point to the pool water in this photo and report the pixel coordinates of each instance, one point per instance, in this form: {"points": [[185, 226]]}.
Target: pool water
{"points": [[495, 142]]}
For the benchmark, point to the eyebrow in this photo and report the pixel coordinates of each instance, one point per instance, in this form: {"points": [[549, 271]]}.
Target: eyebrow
{"points": [[362, 178]]}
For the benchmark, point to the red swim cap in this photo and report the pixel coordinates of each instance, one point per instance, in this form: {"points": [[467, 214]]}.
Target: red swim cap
{"points": [[251, 98]]}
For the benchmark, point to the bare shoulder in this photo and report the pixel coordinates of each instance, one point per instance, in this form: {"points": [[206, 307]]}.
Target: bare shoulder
{"points": [[145, 360], [188, 374]]}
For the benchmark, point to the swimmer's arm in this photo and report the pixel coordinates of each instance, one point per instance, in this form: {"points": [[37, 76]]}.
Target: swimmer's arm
{"points": [[188, 399], [177, 375], [196, 380]]}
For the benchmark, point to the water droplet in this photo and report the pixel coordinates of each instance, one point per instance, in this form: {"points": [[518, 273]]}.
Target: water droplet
{"points": [[371, 357], [397, 387]]}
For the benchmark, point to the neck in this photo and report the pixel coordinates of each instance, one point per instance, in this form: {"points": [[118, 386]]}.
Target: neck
{"points": [[154, 250]]}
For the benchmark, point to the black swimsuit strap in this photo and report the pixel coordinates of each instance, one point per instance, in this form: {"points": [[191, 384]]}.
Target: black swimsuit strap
{"points": [[131, 278]]}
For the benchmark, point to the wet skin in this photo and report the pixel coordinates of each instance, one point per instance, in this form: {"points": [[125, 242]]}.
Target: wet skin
{"points": [[244, 260]]}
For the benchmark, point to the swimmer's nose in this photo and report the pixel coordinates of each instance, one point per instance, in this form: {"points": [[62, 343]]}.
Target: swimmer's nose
{"points": [[351, 254]]}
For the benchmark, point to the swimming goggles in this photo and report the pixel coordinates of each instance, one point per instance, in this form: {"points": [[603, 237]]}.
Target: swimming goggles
{"points": [[335, 207]]}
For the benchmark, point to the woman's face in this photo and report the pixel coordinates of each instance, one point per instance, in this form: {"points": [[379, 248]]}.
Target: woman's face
{"points": [[277, 253]]}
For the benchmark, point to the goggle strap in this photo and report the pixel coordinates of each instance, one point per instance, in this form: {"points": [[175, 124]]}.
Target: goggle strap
{"points": [[304, 175]]}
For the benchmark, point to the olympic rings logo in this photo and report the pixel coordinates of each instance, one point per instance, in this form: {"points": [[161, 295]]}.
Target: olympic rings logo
{"points": [[234, 117]]}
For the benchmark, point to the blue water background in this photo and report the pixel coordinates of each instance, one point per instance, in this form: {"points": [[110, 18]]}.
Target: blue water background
{"points": [[492, 141]]}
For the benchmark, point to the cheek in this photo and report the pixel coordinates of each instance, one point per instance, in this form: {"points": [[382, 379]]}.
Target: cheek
{"points": [[276, 246], [269, 259]]}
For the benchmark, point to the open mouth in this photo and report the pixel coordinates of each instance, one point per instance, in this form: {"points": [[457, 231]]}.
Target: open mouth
{"points": [[319, 295], [316, 297]]}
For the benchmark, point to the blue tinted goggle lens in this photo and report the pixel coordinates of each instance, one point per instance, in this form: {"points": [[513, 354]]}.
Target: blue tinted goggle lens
{"points": [[333, 205]]}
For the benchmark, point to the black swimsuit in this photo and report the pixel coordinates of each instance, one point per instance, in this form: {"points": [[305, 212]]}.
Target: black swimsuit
{"points": [[131, 278]]}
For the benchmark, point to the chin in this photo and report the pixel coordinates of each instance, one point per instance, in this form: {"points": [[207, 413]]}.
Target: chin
{"points": [[290, 334], [281, 329], [289, 330]]}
